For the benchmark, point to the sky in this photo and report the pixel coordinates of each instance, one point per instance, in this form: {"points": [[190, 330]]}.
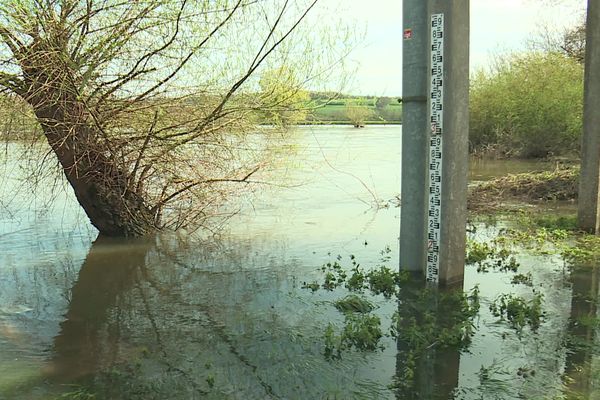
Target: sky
{"points": [[497, 27]]}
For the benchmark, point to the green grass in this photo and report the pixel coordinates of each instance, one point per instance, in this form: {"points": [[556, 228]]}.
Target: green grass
{"points": [[335, 112]]}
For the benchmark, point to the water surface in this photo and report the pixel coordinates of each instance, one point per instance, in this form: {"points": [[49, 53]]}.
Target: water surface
{"points": [[226, 317]]}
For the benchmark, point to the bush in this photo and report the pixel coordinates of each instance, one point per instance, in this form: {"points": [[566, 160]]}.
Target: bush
{"points": [[529, 105]]}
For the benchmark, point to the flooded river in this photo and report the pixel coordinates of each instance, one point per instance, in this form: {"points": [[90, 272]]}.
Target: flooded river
{"points": [[228, 316]]}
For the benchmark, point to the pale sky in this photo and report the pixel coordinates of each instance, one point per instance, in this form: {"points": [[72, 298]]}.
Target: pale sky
{"points": [[497, 26]]}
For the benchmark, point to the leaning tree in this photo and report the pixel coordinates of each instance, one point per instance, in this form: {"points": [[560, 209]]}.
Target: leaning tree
{"points": [[145, 103]]}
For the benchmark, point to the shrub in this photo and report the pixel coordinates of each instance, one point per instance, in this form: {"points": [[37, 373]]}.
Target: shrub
{"points": [[529, 105]]}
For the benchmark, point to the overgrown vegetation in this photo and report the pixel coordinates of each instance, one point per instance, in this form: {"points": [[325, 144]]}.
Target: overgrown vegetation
{"points": [[527, 105]]}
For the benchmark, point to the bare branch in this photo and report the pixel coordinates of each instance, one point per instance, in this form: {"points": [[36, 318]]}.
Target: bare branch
{"points": [[203, 182], [217, 112]]}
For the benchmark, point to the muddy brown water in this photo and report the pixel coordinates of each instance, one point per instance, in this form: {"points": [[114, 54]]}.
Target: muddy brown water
{"points": [[226, 317]]}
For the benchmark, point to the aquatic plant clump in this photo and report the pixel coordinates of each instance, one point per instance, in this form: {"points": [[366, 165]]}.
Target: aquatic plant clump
{"points": [[518, 311], [547, 234], [488, 256], [585, 251], [361, 332], [429, 318], [425, 318], [381, 280], [354, 304], [522, 279]]}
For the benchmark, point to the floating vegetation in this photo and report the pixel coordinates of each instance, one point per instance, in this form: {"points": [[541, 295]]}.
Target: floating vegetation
{"points": [[553, 222], [540, 233], [497, 254], [381, 280], [585, 251], [333, 345], [357, 280], [556, 236], [540, 240], [436, 318], [518, 311], [487, 256], [210, 381], [361, 332], [385, 281], [525, 372], [425, 318], [80, 393], [522, 279], [314, 286], [495, 381], [354, 304]]}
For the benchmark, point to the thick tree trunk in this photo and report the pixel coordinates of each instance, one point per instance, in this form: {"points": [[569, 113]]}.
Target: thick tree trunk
{"points": [[100, 186]]}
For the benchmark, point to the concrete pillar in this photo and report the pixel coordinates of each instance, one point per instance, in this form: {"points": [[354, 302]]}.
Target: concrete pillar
{"points": [[447, 125], [588, 214], [415, 66], [455, 136]]}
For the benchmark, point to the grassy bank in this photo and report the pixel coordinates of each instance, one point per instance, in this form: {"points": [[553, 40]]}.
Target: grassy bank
{"points": [[344, 109]]}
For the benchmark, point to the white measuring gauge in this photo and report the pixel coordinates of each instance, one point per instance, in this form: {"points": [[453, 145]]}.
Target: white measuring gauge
{"points": [[436, 119]]}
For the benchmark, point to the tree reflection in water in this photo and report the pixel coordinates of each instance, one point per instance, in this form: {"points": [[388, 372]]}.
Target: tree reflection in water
{"points": [[162, 319], [110, 270], [129, 323], [170, 319]]}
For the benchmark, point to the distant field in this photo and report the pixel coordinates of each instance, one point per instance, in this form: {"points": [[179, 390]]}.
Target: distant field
{"points": [[336, 111]]}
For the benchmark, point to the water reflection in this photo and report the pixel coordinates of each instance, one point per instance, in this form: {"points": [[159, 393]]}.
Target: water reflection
{"points": [[177, 319], [133, 329], [424, 369], [110, 270], [583, 324], [171, 319], [226, 319]]}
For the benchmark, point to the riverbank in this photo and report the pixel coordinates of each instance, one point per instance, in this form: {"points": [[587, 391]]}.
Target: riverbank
{"points": [[508, 193]]}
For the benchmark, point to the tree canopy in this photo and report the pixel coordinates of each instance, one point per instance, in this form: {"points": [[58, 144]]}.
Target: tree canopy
{"points": [[145, 103]]}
